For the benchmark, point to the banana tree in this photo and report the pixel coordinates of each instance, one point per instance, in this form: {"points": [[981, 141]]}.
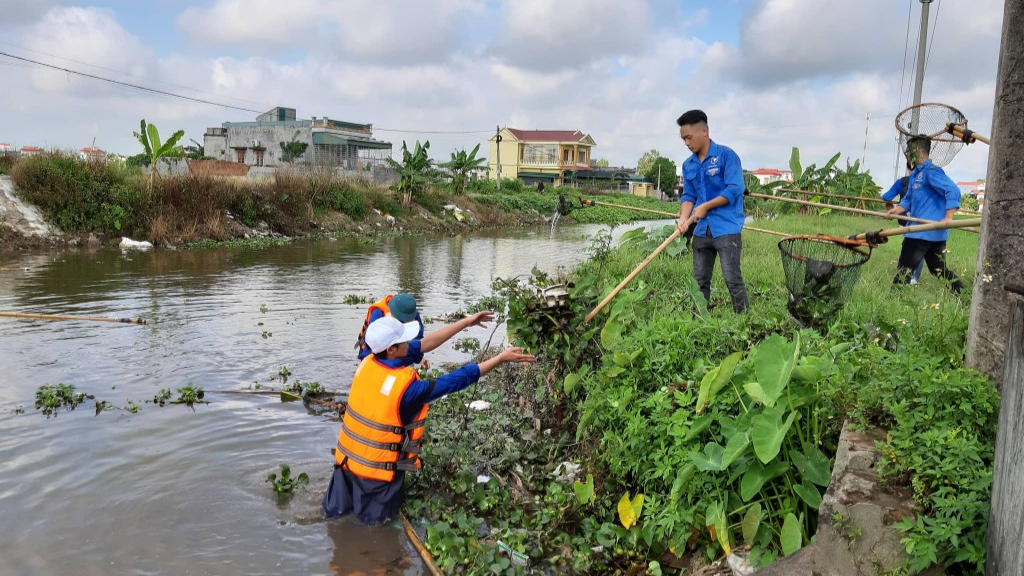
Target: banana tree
{"points": [[413, 171], [461, 165], [149, 137]]}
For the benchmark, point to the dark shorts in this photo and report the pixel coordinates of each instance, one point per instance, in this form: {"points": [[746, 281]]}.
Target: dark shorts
{"points": [[372, 501]]}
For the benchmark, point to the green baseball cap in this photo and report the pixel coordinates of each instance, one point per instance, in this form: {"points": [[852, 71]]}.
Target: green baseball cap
{"points": [[403, 307]]}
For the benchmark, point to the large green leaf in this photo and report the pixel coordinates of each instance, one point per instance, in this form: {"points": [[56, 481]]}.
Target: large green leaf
{"points": [[171, 143], [755, 477], [154, 137], [698, 427], [814, 466], [571, 380], [809, 493], [774, 360], [711, 459], [716, 379], [143, 137], [682, 479], [790, 537], [735, 448], [611, 334], [768, 431], [584, 492], [751, 522], [794, 163]]}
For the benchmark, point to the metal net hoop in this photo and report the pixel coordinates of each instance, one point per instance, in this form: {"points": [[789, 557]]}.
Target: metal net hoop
{"points": [[932, 121], [821, 272]]}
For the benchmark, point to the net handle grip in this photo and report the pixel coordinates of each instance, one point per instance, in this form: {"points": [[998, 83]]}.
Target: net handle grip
{"points": [[921, 228], [967, 135]]}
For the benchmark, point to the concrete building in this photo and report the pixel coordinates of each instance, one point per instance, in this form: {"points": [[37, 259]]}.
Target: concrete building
{"points": [[972, 188], [5, 148], [92, 154], [30, 151], [548, 156], [327, 142]]}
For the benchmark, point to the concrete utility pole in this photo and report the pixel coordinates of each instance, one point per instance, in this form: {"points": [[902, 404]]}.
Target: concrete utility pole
{"points": [[995, 340], [922, 49], [497, 146], [867, 124], [1001, 251]]}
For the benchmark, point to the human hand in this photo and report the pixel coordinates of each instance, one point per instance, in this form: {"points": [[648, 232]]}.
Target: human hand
{"points": [[891, 213], [683, 223], [425, 364], [699, 212], [480, 318], [515, 355]]}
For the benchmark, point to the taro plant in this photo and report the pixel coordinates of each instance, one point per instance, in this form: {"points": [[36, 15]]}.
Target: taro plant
{"points": [[284, 485], [769, 452]]}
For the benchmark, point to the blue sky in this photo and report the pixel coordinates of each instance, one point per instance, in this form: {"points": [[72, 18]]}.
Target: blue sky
{"points": [[772, 74]]}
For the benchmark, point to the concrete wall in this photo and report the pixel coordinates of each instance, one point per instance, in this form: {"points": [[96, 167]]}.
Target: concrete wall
{"points": [[269, 137], [216, 146], [509, 157]]}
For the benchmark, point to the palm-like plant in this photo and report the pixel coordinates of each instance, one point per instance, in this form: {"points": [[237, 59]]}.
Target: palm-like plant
{"points": [[413, 171], [461, 165], [149, 137]]}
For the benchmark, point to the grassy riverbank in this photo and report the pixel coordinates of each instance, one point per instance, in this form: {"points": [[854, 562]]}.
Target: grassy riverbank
{"points": [[111, 200], [708, 416]]}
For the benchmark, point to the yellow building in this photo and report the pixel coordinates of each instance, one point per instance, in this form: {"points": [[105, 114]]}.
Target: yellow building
{"points": [[548, 156]]}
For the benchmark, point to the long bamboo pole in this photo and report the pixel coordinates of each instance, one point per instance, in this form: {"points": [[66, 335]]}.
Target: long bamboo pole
{"points": [[83, 318], [633, 274], [671, 215], [418, 545], [958, 131], [953, 225], [857, 198], [847, 209]]}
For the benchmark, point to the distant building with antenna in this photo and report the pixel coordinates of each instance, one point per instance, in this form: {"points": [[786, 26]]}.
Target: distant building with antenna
{"points": [[328, 142]]}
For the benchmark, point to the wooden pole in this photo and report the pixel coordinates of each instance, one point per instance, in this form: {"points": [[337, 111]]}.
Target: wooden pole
{"points": [[858, 198], [82, 318], [418, 545], [845, 209], [955, 224], [670, 214], [1005, 555], [633, 274], [958, 131]]}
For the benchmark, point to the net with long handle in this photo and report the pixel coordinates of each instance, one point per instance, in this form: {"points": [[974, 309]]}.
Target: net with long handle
{"points": [[932, 120], [821, 272]]}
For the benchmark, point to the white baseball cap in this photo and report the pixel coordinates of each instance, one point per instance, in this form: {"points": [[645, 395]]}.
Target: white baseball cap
{"points": [[385, 332]]}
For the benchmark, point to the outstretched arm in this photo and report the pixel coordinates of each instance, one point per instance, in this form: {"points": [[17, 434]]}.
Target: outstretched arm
{"points": [[438, 337]]}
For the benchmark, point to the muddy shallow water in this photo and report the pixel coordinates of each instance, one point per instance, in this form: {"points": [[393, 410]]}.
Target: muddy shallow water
{"points": [[174, 491]]}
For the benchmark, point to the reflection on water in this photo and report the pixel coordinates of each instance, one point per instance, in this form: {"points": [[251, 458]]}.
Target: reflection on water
{"points": [[172, 491]]}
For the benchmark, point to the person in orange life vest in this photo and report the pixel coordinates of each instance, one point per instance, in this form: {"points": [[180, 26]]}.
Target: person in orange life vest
{"points": [[403, 308], [380, 435]]}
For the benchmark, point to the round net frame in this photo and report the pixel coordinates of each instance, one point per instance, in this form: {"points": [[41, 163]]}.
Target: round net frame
{"points": [[932, 121], [821, 272]]}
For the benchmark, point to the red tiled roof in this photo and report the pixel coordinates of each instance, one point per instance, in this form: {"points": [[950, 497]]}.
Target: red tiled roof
{"points": [[92, 151], [31, 148], [967, 183], [548, 135]]}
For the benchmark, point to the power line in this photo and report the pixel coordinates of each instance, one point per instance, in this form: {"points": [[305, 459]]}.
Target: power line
{"points": [[130, 85], [906, 47], [129, 74], [432, 131], [931, 41]]}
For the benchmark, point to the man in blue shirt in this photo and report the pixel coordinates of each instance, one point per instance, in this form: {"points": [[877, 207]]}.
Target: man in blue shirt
{"points": [[896, 192], [712, 200], [378, 501], [932, 196]]}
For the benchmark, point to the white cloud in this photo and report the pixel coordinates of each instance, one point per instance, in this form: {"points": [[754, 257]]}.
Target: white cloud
{"points": [[88, 35], [540, 35], [265, 23]]}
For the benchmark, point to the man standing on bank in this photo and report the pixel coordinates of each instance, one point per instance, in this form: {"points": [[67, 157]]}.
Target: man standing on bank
{"points": [[712, 199]]}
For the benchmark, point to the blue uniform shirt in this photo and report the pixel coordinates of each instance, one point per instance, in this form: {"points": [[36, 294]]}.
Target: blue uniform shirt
{"points": [[720, 174], [931, 193], [409, 360], [375, 501], [895, 193]]}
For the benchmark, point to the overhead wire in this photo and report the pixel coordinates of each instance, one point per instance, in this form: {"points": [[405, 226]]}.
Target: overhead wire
{"points": [[931, 41]]}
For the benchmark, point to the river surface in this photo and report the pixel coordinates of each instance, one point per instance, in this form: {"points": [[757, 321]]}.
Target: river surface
{"points": [[175, 491]]}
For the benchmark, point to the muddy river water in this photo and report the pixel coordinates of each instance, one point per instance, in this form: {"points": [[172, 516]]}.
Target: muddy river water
{"points": [[180, 492]]}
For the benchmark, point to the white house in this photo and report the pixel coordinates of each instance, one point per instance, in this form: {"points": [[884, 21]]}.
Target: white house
{"points": [[769, 175]]}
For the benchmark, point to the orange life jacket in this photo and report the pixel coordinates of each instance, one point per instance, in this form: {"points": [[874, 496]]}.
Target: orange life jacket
{"points": [[381, 305], [373, 442]]}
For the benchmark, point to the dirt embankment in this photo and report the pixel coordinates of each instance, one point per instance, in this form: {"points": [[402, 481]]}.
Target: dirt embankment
{"points": [[21, 223]]}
